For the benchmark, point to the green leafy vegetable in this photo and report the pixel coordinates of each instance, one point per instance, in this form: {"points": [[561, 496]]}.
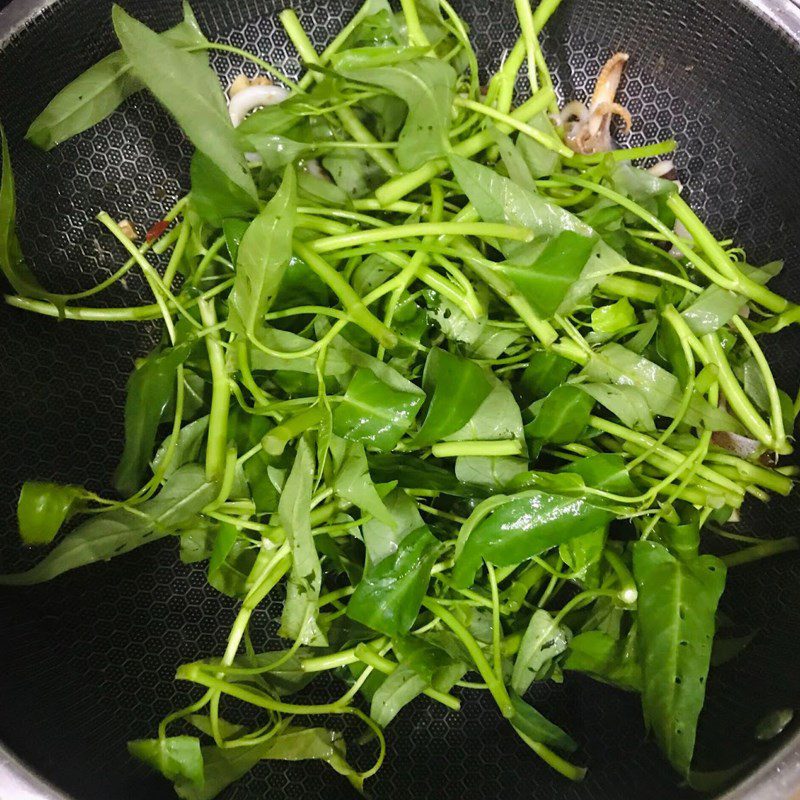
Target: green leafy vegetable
{"points": [[427, 87], [189, 90], [262, 258], [676, 609], [390, 594], [427, 387], [151, 389], [43, 508], [299, 612], [525, 526], [562, 416], [101, 89], [456, 388], [184, 495], [177, 758], [374, 413]]}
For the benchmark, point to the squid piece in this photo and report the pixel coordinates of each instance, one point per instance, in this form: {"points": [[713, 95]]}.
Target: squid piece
{"points": [[589, 129]]}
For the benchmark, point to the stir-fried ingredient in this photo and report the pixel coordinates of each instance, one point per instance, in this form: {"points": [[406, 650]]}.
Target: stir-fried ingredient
{"points": [[440, 367]]}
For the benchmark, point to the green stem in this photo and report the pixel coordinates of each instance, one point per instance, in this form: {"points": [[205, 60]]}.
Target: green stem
{"points": [[350, 121], [630, 288], [381, 664], [502, 447], [85, 314], [554, 760], [738, 401], [496, 686], [628, 593], [759, 551], [720, 259], [510, 122], [352, 302], [416, 35], [335, 660], [776, 413], [482, 230], [497, 628], [668, 454], [397, 188], [177, 254], [769, 479], [276, 440], [217, 439], [525, 17]]}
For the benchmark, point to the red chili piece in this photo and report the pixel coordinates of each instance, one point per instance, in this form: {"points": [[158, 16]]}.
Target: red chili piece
{"points": [[157, 230]]}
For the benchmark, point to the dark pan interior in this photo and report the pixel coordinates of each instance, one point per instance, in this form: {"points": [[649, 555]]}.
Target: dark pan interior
{"points": [[87, 662]]}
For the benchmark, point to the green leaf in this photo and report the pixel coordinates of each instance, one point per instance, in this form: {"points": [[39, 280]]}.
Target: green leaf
{"points": [[607, 659], [396, 691], [615, 364], [497, 417], [188, 447], [545, 282], [583, 556], [390, 594], [353, 172], [427, 86], [150, 391], [285, 679], [12, 262], [382, 538], [627, 403], [526, 525], [562, 417], [352, 481], [676, 610], [276, 152], [264, 254], [681, 536], [714, 307], [112, 533], [231, 575], [374, 413], [492, 473], [513, 160], [234, 229], [299, 620], [215, 197], [422, 664], [614, 317], [101, 89], [538, 728], [606, 471], [499, 199], [545, 372], [542, 641], [189, 90], [540, 160], [456, 388], [411, 472], [223, 544], [177, 758], [225, 765], [43, 508]]}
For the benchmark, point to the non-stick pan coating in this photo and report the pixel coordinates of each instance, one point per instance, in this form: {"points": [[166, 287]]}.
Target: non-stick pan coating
{"points": [[87, 662]]}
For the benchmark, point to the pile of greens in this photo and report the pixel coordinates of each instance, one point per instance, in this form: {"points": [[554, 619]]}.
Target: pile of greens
{"points": [[433, 377]]}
